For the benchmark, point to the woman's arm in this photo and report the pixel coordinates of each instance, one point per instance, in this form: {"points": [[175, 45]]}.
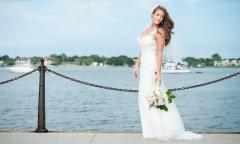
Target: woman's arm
{"points": [[160, 45], [138, 61]]}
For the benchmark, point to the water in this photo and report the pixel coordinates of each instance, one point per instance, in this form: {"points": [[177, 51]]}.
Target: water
{"points": [[75, 107]]}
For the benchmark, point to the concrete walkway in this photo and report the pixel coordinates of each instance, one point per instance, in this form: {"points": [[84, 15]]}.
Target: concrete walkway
{"points": [[106, 138]]}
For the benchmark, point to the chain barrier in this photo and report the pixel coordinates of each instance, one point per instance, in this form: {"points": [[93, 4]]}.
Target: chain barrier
{"points": [[118, 89], [206, 83], [90, 84], [18, 77], [132, 90]]}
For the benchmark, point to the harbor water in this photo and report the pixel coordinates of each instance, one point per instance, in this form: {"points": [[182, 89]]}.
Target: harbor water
{"points": [[75, 107]]}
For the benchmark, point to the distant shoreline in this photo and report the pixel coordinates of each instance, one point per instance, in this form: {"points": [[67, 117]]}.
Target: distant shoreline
{"points": [[74, 66], [86, 66]]}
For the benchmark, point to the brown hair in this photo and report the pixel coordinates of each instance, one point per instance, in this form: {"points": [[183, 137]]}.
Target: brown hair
{"points": [[167, 23]]}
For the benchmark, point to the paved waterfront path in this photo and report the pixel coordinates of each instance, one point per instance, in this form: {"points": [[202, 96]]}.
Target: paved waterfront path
{"points": [[9, 137]]}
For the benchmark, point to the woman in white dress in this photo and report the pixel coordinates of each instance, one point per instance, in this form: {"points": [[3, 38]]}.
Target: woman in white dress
{"points": [[157, 123]]}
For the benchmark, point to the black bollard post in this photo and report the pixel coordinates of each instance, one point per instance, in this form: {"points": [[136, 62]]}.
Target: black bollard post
{"points": [[41, 99]]}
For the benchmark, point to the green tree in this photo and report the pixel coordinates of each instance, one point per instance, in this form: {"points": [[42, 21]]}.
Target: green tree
{"points": [[115, 61], [10, 61], [130, 62], [209, 62], [104, 59], [96, 58], [56, 59], [191, 61], [35, 60], [85, 60], [4, 58], [63, 57], [216, 57], [70, 59]]}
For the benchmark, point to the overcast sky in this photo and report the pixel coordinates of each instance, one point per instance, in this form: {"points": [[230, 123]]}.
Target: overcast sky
{"points": [[110, 27]]}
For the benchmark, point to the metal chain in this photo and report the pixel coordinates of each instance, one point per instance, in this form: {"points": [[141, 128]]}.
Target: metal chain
{"points": [[90, 84], [206, 83], [18, 77], [132, 90]]}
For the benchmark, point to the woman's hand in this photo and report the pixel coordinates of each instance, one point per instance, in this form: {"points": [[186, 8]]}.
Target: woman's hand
{"points": [[135, 70], [158, 77]]}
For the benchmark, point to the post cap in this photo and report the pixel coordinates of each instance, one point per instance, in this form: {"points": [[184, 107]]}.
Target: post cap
{"points": [[42, 62]]}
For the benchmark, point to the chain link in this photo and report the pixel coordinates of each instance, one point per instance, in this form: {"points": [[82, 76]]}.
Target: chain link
{"points": [[90, 84], [18, 77], [206, 83], [132, 90]]}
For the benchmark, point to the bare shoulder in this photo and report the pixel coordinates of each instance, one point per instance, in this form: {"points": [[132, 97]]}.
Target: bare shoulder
{"points": [[159, 34]]}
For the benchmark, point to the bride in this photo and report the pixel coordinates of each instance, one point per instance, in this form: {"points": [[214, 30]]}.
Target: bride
{"points": [[157, 123]]}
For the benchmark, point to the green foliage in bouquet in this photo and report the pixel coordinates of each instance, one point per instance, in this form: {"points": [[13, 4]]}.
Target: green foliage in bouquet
{"points": [[170, 95], [163, 107]]}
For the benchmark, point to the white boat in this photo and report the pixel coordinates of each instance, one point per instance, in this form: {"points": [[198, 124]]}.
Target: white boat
{"points": [[22, 65], [171, 67]]}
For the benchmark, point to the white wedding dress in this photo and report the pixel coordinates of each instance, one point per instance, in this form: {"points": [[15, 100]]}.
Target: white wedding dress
{"points": [[155, 122]]}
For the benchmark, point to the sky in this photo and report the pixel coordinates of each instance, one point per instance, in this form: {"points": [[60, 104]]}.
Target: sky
{"points": [[110, 27]]}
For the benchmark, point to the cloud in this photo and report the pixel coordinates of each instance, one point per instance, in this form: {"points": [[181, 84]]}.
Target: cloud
{"points": [[109, 26], [31, 22]]}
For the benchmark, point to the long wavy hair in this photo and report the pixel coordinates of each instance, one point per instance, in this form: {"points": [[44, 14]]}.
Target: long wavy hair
{"points": [[167, 24]]}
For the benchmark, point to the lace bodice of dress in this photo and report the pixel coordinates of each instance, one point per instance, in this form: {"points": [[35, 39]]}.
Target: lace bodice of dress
{"points": [[147, 42], [148, 51]]}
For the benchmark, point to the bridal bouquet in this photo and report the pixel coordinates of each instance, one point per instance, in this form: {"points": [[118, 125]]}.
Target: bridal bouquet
{"points": [[160, 99]]}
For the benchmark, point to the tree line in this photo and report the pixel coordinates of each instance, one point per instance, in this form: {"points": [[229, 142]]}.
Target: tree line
{"points": [[121, 60], [60, 59], [191, 61]]}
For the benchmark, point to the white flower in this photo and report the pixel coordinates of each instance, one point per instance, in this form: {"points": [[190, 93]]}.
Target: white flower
{"points": [[161, 101], [157, 91], [161, 96]]}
